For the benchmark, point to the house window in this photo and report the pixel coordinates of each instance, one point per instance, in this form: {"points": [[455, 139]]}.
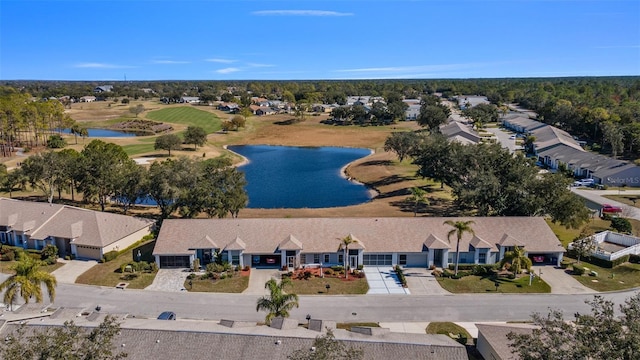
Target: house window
{"points": [[326, 258], [235, 259], [377, 259], [482, 258], [316, 258], [403, 259], [340, 258]]}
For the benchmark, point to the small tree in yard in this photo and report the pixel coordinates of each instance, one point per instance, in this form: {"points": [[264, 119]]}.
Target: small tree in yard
{"points": [[518, 260], [195, 135], [344, 245], [277, 303], [137, 110], [418, 196], [584, 244]]}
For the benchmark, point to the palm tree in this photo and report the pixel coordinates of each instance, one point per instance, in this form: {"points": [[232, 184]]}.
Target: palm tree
{"points": [[518, 259], [418, 196], [277, 303], [459, 228], [344, 246], [27, 281]]}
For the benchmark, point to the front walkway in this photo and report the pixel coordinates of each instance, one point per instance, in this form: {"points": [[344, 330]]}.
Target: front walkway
{"points": [[257, 279], [383, 280], [68, 273], [169, 280]]}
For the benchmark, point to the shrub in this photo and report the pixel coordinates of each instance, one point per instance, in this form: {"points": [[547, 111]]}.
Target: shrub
{"points": [[110, 255], [401, 276], [205, 276], [337, 268], [56, 142], [437, 273], [432, 267], [215, 268], [462, 339], [69, 258], [129, 276], [34, 256], [223, 276], [633, 258], [472, 266], [328, 272], [360, 267], [565, 263], [578, 269], [191, 276], [622, 225], [246, 268], [49, 251], [153, 266], [447, 273], [9, 256]]}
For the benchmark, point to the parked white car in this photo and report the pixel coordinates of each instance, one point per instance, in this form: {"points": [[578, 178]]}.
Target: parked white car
{"points": [[584, 182]]}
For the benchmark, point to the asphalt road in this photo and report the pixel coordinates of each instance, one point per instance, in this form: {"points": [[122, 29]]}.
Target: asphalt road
{"points": [[385, 308]]}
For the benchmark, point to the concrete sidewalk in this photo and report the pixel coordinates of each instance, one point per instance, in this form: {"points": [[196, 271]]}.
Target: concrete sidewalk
{"points": [[420, 327], [68, 273]]}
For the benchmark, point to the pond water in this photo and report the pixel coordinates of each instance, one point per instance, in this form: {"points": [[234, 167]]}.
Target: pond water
{"points": [[300, 177], [93, 133]]}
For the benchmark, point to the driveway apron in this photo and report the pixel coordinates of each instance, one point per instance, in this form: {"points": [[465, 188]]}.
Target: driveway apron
{"points": [[560, 281], [257, 279], [422, 282], [383, 280], [68, 273], [169, 280]]}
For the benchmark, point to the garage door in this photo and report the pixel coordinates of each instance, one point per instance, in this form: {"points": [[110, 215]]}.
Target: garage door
{"points": [[88, 252], [377, 259], [175, 262]]}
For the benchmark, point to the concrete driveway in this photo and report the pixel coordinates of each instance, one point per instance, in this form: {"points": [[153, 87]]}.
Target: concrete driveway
{"points": [[560, 281], [383, 280], [68, 273], [421, 282], [257, 279], [503, 138]]}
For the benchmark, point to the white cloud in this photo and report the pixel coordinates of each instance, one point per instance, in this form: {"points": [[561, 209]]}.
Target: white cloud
{"points": [[221, 61], [227, 70], [299, 13], [259, 65], [100, 66], [169, 62]]}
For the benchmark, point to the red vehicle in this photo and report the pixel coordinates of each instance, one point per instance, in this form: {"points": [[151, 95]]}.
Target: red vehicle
{"points": [[610, 209]]}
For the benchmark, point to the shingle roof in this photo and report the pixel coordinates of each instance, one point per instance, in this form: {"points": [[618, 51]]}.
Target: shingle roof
{"points": [[478, 243], [87, 227], [203, 243], [236, 244], [231, 344], [290, 243], [496, 337], [318, 235]]}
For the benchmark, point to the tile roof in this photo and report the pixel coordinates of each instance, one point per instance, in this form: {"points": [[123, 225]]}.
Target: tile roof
{"points": [[317, 235]]}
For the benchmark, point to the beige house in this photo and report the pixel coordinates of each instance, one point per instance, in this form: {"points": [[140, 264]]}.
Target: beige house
{"points": [[411, 242], [76, 232], [493, 343]]}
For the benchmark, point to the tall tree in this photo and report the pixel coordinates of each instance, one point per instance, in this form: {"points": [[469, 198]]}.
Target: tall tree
{"points": [[168, 142], [44, 171], [601, 334], [195, 135], [345, 242], [27, 281], [402, 143], [459, 229], [278, 303], [103, 165]]}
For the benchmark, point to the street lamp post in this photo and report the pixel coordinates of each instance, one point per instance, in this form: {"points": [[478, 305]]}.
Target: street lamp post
{"points": [[308, 319]]}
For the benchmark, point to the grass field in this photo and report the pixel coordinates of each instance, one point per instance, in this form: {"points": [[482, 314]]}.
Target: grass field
{"points": [[189, 116], [236, 284], [625, 276], [446, 328]]}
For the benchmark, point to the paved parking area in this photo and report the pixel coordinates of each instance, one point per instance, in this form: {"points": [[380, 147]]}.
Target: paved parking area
{"points": [[169, 280], [383, 280]]}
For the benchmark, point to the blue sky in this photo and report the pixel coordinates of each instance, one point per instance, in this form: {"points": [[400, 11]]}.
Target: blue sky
{"points": [[292, 40]]}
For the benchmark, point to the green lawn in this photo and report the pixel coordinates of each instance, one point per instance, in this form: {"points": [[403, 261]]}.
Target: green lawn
{"points": [[447, 328], [625, 276], [567, 235], [479, 284], [348, 326], [135, 149], [108, 274], [235, 284], [187, 115], [338, 286], [5, 267]]}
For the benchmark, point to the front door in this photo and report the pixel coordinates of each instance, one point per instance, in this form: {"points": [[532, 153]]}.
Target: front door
{"points": [[353, 261], [437, 257], [291, 262]]}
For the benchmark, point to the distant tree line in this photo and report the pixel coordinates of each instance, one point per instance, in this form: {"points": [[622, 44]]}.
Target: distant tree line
{"points": [[605, 111], [103, 173]]}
